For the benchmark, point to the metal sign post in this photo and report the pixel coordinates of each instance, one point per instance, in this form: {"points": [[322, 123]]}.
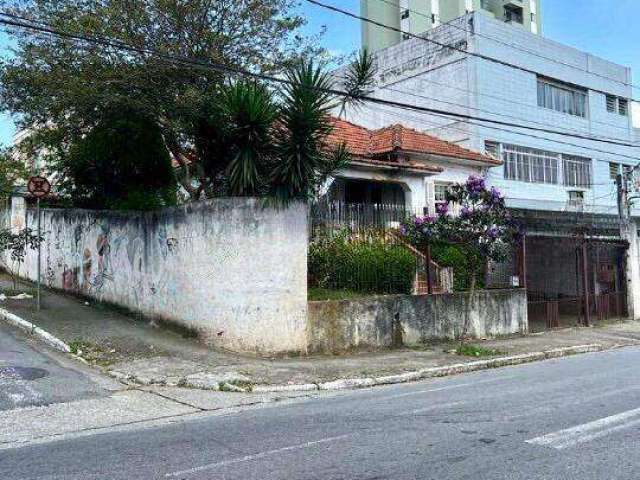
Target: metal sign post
{"points": [[39, 187]]}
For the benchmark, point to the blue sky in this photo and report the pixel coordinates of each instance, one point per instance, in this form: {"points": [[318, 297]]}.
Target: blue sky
{"points": [[607, 28]]}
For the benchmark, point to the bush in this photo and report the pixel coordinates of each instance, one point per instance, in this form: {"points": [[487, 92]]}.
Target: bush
{"points": [[365, 266], [462, 261], [120, 164]]}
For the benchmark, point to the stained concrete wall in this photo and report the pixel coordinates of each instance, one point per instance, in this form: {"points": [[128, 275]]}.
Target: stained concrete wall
{"points": [[230, 269], [338, 326]]}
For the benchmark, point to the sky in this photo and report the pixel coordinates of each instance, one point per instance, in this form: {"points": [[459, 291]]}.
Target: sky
{"points": [[606, 28]]}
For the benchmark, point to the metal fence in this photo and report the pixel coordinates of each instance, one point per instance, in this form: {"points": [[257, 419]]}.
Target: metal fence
{"points": [[357, 247]]}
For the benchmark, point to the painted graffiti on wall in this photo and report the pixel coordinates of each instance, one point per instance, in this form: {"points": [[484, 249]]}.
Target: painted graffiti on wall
{"points": [[194, 266]]}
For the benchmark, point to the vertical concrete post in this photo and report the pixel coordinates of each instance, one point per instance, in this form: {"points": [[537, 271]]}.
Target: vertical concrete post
{"points": [[632, 266], [629, 232]]}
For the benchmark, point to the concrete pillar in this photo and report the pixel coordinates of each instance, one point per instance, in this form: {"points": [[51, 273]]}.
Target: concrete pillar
{"points": [[633, 271], [415, 195]]}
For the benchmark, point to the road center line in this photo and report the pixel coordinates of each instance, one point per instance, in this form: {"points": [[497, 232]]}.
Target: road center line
{"points": [[248, 458], [588, 431]]}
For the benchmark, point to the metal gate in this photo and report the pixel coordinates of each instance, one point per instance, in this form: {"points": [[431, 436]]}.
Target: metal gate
{"points": [[574, 281]]}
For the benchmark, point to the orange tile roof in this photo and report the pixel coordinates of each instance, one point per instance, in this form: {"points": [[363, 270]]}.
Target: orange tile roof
{"points": [[361, 141]]}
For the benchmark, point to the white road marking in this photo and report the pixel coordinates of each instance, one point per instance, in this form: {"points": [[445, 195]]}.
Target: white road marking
{"points": [[448, 387], [588, 431], [248, 458]]}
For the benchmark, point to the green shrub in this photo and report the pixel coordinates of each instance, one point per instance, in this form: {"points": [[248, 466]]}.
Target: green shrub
{"points": [[462, 260], [366, 266]]}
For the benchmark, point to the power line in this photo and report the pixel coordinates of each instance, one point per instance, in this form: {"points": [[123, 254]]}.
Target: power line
{"points": [[430, 40], [20, 23], [476, 92], [417, 95], [497, 40], [537, 137]]}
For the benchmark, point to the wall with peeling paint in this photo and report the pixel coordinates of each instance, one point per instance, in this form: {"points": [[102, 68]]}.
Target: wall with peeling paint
{"points": [[231, 269], [406, 320]]}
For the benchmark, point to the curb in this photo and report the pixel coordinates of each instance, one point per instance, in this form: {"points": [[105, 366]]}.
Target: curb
{"points": [[356, 383], [34, 330], [434, 372]]}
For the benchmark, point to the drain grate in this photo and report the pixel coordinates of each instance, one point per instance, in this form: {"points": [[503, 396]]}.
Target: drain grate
{"points": [[21, 373]]}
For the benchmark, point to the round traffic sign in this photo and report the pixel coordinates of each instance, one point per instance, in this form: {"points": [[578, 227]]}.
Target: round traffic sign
{"points": [[39, 187]]}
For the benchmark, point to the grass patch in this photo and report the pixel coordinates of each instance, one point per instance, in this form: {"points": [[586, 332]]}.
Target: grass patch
{"points": [[91, 352], [476, 351], [11, 292], [319, 294], [228, 386]]}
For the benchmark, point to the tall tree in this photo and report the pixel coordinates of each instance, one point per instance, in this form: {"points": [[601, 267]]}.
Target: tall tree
{"points": [[60, 87], [12, 171]]}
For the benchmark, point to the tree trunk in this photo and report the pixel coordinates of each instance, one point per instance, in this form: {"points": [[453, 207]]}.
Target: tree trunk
{"points": [[467, 310]]}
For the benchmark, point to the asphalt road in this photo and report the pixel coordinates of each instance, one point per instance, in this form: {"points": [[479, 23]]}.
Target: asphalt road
{"points": [[30, 375], [576, 418]]}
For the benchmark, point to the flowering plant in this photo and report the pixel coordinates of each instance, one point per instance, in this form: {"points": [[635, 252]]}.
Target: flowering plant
{"points": [[483, 226]]}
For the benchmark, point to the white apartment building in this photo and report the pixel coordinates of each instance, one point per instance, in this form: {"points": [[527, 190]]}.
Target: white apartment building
{"points": [[561, 185], [414, 17]]}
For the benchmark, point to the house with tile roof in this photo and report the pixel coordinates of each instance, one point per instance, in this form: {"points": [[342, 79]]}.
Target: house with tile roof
{"points": [[400, 166]]}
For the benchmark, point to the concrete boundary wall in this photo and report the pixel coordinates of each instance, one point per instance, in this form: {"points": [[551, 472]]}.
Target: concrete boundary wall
{"points": [[375, 322], [232, 270]]}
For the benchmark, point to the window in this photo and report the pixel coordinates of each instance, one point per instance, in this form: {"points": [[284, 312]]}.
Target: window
{"points": [[614, 170], [540, 166], [576, 199], [623, 107], [440, 193], [577, 171], [492, 148], [617, 105], [485, 5], [562, 97], [513, 14], [530, 165]]}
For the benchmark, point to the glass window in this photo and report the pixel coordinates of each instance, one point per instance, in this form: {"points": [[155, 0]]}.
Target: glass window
{"points": [[529, 164], [577, 171], [611, 103], [562, 98]]}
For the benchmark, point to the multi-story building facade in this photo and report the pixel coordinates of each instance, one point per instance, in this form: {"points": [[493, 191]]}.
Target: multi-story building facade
{"points": [[414, 17], [564, 132]]}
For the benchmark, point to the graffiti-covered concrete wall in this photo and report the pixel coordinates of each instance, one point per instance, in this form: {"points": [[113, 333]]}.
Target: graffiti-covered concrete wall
{"points": [[231, 269]]}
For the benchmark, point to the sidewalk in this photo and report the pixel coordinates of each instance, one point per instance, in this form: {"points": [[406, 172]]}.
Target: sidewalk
{"points": [[135, 351]]}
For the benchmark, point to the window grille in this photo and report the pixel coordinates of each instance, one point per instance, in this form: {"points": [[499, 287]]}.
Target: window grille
{"points": [[577, 171], [623, 107], [530, 165]]}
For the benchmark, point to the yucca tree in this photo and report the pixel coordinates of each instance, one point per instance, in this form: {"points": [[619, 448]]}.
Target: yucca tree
{"points": [[304, 159], [258, 141], [250, 111]]}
